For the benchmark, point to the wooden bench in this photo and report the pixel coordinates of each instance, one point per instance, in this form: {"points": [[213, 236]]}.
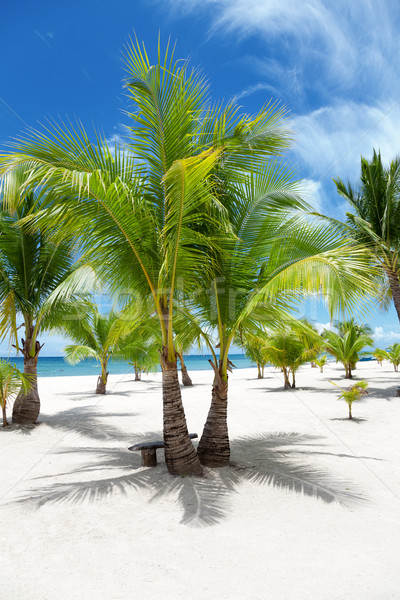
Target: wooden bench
{"points": [[149, 450]]}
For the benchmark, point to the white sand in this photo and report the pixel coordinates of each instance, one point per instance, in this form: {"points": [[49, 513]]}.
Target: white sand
{"points": [[311, 510]]}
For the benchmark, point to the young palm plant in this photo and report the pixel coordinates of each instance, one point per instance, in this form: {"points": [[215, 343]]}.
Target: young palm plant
{"points": [[352, 393], [11, 382], [321, 361]]}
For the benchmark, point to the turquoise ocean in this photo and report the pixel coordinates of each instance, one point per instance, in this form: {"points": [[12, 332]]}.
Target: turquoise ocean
{"points": [[56, 366]]}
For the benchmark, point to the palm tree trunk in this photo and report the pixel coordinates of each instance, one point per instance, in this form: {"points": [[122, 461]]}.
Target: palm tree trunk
{"points": [[187, 382], [137, 373], [350, 415], [101, 384], [286, 385], [395, 288], [26, 407], [180, 455], [259, 375], [293, 380], [214, 449], [3, 409], [262, 372]]}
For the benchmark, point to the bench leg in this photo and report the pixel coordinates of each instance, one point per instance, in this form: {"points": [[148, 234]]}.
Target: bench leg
{"points": [[149, 457]]}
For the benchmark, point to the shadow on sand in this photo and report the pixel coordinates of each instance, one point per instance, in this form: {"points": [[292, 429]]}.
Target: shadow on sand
{"points": [[267, 459]]}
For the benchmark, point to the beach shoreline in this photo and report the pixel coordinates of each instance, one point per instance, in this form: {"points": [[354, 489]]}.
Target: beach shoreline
{"points": [[308, 509]]}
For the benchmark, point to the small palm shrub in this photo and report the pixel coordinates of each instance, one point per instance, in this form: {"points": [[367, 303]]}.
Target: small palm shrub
{"points": [[321, 362], [352, 393]]}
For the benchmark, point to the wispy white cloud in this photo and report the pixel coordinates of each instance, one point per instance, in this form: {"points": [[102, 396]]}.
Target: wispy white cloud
{"points": [[331, 140], [384, 337]]}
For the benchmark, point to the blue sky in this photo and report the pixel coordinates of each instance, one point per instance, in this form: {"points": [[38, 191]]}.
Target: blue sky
{"points": [[334, 64]]}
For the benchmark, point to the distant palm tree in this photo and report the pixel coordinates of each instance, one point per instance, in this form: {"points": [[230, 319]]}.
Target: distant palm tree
{"points": [[352, 393], [346, 349], [393, 355], [376, 222], [380, 355], [97, 336], [321, 361]]}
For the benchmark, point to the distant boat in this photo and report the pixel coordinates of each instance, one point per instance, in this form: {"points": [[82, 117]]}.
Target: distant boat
{"points": [[365, 358]]}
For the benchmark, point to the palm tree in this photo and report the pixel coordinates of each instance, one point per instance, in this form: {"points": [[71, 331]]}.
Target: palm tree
{"points": [[393, 355], [37, 285], [380, 355], [286, 351], [254, 348], [352, 393], [320, 361], [346, 349], [142, 215], [97, 336], [11, 382], [276, 252], [376, 221]]}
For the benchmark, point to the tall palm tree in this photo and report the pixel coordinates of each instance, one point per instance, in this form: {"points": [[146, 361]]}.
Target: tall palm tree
{"points": [[276, 252], [37, 285], [376, 217], [142, 215]]}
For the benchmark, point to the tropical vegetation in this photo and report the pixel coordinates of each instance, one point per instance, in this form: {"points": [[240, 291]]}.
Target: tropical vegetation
{"points": [[375, 221], [346, 348], [11, 383], [352, 393]]}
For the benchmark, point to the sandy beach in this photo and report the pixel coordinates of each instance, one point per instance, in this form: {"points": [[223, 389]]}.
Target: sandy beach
{"points": [[309, 508]]}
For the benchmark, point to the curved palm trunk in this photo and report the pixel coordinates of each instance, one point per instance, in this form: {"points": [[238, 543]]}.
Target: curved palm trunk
{"points": [[259, 374], [214, 449], [186, 380], [180, 456], [395, 289], [26, 407], [286, 384]]}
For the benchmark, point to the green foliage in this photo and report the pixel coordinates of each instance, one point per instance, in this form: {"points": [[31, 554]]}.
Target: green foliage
{"points": [[380, 355], [352, 393], [321, 361], [286, 350], [393, 355], [347, 348], [376, 219], [11, 382], [96, 335]]}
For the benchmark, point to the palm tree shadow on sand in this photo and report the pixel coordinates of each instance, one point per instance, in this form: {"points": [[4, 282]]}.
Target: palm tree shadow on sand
{"points": [[265, 459]]}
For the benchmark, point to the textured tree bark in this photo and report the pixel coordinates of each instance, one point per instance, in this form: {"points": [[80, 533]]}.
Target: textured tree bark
{"points": [[186, 380], [259, 375], [101, 384], [349, 374], [395, 289], [214, 449], [180, 456], [286, 384], [138, 376], [3, 409], [26, 407]]}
